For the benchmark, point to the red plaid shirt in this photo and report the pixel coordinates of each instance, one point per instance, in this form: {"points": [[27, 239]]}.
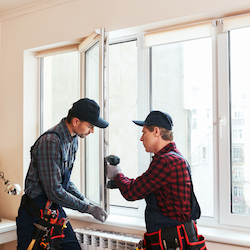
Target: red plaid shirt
{"points": [[168, 177]]}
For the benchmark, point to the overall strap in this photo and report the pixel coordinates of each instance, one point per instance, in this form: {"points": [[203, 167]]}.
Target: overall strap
{"points": [[30, 204], [196, 211], [50, 132], [188, 166]]}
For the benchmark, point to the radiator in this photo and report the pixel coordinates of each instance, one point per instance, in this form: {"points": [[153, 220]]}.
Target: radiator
{"points": [[90, 239]]}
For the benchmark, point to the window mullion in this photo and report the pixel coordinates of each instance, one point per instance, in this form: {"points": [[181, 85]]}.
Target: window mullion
{"points": [[224, 126]]}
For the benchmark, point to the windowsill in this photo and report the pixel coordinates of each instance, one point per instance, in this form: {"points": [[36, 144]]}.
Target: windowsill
{"points": [[112, 220], [224, 236], [7, 231]]}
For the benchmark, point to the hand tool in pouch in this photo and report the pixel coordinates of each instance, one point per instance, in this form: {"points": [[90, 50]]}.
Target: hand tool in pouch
{"points": [[39, 232]]}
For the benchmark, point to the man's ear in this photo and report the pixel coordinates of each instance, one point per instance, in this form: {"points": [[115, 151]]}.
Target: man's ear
{"points": [[74, 121], [157, 131]]}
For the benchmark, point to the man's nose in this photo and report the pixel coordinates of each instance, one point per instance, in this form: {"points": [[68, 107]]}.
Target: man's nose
{"points": [[92, 130]]}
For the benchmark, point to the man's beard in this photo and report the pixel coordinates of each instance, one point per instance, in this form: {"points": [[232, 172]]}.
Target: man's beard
{"points": [[81, 135]]}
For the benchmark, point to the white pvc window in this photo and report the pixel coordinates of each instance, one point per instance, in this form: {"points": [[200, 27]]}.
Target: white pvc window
{"points": [[233, 50], [203, 84], [93, 60], [123, 108], [128, 100], [92, 149], [61, 86], [240, 119], [182, 86]]}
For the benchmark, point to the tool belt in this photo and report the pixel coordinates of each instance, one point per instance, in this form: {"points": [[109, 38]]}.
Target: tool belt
{"points": [[48, 232], [174, 237]]}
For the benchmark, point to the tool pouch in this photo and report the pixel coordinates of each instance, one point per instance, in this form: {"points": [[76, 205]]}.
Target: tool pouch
{"points": [[193, 240], [52, 239], [53, 236], [179, 237], [171, 238], [56, 237], [43, 237], [167, 238]]}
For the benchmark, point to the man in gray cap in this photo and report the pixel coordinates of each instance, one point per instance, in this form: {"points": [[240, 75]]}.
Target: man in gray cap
{"points": [[166, 185], [48, 179]]}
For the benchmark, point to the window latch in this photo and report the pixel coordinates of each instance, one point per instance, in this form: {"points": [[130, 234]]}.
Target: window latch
{"points": [[222, 123]]}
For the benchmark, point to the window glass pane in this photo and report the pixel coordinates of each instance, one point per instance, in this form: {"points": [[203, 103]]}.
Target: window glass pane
{"points": [[92, 141], [123, 108], [60, 86], [182, 86], [240, 118]]}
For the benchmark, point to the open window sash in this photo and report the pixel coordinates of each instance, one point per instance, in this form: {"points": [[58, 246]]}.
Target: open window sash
{"points": [[93, 58]]}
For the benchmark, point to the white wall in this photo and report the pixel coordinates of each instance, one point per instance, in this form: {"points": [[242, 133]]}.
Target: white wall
{"points": [[65, 22]]}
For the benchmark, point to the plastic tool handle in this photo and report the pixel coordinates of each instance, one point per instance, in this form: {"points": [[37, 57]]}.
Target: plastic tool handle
{"points": [[113, 160]]}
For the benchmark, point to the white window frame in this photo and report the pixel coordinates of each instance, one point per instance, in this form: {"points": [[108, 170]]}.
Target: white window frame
{"points": [[143, 108], [226, 217], [223, 218], [100, 37], [196, 31], [221, 110]]}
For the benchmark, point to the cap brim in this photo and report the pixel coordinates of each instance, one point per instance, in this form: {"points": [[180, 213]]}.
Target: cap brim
{"points": [[101, 123], [140, 123]]}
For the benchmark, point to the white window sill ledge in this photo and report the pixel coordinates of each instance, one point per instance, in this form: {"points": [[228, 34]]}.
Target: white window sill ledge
{"points": [[113, 220], [224, 236]]}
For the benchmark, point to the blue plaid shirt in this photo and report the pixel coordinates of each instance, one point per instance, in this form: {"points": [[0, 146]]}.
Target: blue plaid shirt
{"points": [[47, 168]]}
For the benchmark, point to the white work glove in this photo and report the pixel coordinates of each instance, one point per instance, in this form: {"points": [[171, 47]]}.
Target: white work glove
{"points": [[97, 212], [112, 171]]}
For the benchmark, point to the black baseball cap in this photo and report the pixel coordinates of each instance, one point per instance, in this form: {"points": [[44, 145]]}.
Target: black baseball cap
{"points": [[157, 118], [88, 110]]}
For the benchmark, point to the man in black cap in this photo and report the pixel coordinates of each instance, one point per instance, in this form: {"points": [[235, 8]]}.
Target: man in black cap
{"points": [[48, 177], [165, 185]]}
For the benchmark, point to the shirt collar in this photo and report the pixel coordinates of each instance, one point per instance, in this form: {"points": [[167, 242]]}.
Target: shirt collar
{"points": [[169, 147], [65, 131]]}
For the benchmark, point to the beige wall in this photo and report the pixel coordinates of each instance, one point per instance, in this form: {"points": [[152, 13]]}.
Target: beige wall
{"points": [[71, 20]]}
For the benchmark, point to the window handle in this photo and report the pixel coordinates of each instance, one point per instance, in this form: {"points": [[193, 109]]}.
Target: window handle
{"points": [[222, 123]]}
